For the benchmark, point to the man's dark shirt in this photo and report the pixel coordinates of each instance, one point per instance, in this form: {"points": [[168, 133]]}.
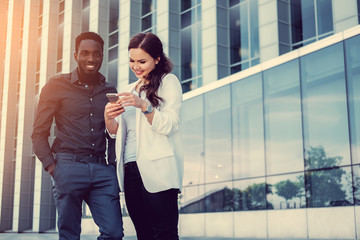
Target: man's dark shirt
{"points": [[79, 117]]}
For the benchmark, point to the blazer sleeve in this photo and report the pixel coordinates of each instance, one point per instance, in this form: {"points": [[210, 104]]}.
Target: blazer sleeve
{"points": [[167, 117]]}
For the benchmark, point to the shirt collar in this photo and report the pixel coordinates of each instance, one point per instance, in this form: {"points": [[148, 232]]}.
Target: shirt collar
{"points": [[75, 78]]}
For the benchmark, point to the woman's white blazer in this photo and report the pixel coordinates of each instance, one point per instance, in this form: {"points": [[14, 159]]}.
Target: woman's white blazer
{"points": [[158, 145]]}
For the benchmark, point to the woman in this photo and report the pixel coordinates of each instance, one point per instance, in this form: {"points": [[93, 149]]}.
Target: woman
{"points": [[146, 121]]}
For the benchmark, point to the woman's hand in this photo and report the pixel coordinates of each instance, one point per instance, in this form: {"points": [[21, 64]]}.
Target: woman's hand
{"points": [[129, 99]]}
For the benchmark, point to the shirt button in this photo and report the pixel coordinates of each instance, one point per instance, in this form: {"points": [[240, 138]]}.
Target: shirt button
{"points": [[86, 86], [90, 155], [91, 114], [92, 129], [90, 99], [93, 144]]}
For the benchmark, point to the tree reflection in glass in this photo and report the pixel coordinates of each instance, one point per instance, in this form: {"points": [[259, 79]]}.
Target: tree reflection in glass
{"points": [[288, 191], [329, 185]]}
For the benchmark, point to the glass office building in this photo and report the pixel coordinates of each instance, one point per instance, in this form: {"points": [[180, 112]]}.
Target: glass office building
{"points": [[270, 118]]}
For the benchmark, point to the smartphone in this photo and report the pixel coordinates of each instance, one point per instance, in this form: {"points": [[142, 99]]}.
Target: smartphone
{"points": [[113, 97]]}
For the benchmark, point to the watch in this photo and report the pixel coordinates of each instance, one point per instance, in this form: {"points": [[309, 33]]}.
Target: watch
{"points": [[149, 109]]}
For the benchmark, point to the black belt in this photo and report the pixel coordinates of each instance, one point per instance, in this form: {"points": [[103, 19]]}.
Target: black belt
{"points": [[79, 158]]}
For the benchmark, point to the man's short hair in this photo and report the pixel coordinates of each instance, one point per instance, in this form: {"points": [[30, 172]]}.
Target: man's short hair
{"points": [[88, 35]]}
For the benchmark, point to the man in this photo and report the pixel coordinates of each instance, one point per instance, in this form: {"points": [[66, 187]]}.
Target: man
{"points": [[76, 160]]}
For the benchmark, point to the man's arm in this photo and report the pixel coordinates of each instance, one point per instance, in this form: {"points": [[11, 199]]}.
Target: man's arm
{"points": [[41, 130]]}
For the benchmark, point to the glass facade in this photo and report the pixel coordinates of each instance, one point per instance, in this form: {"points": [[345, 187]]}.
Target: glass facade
{"points": [[284, 138], [244, 34], [191, 61]]}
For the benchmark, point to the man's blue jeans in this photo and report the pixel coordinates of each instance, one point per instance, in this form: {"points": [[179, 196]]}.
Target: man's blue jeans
{"points": [[76, 179]]}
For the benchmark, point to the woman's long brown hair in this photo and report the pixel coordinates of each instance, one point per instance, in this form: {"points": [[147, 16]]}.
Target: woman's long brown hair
{"points": [[151, 44]]}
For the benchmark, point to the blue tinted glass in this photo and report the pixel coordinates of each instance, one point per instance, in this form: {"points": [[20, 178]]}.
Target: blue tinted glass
{"points": [[324, 16], [218, 135], [248, 130], [193, 142], [324, 107], [352, 47], [250, 194], [287, 191], [329, 188], [284, 148]]}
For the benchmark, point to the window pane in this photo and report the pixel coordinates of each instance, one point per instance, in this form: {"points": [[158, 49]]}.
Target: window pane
{"points": [[186, 19], [352, 47], [325, 188], [196, 54], [193, 141], [284, 150], [85, 20], [146, 22], [113, 39], [186, 49], [219, 197], [250, 194], [147, 6], [324, 106], [114, 15], [113, 54], [85, 4], [244, 32], [192, 200], [218, 135], [233, 2], [60, 42], [186, 4], [254, 29], [324, 16], [302, 20], [112, 73], [283, 11], [287, 191], [248, 130], [235, 35]]}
